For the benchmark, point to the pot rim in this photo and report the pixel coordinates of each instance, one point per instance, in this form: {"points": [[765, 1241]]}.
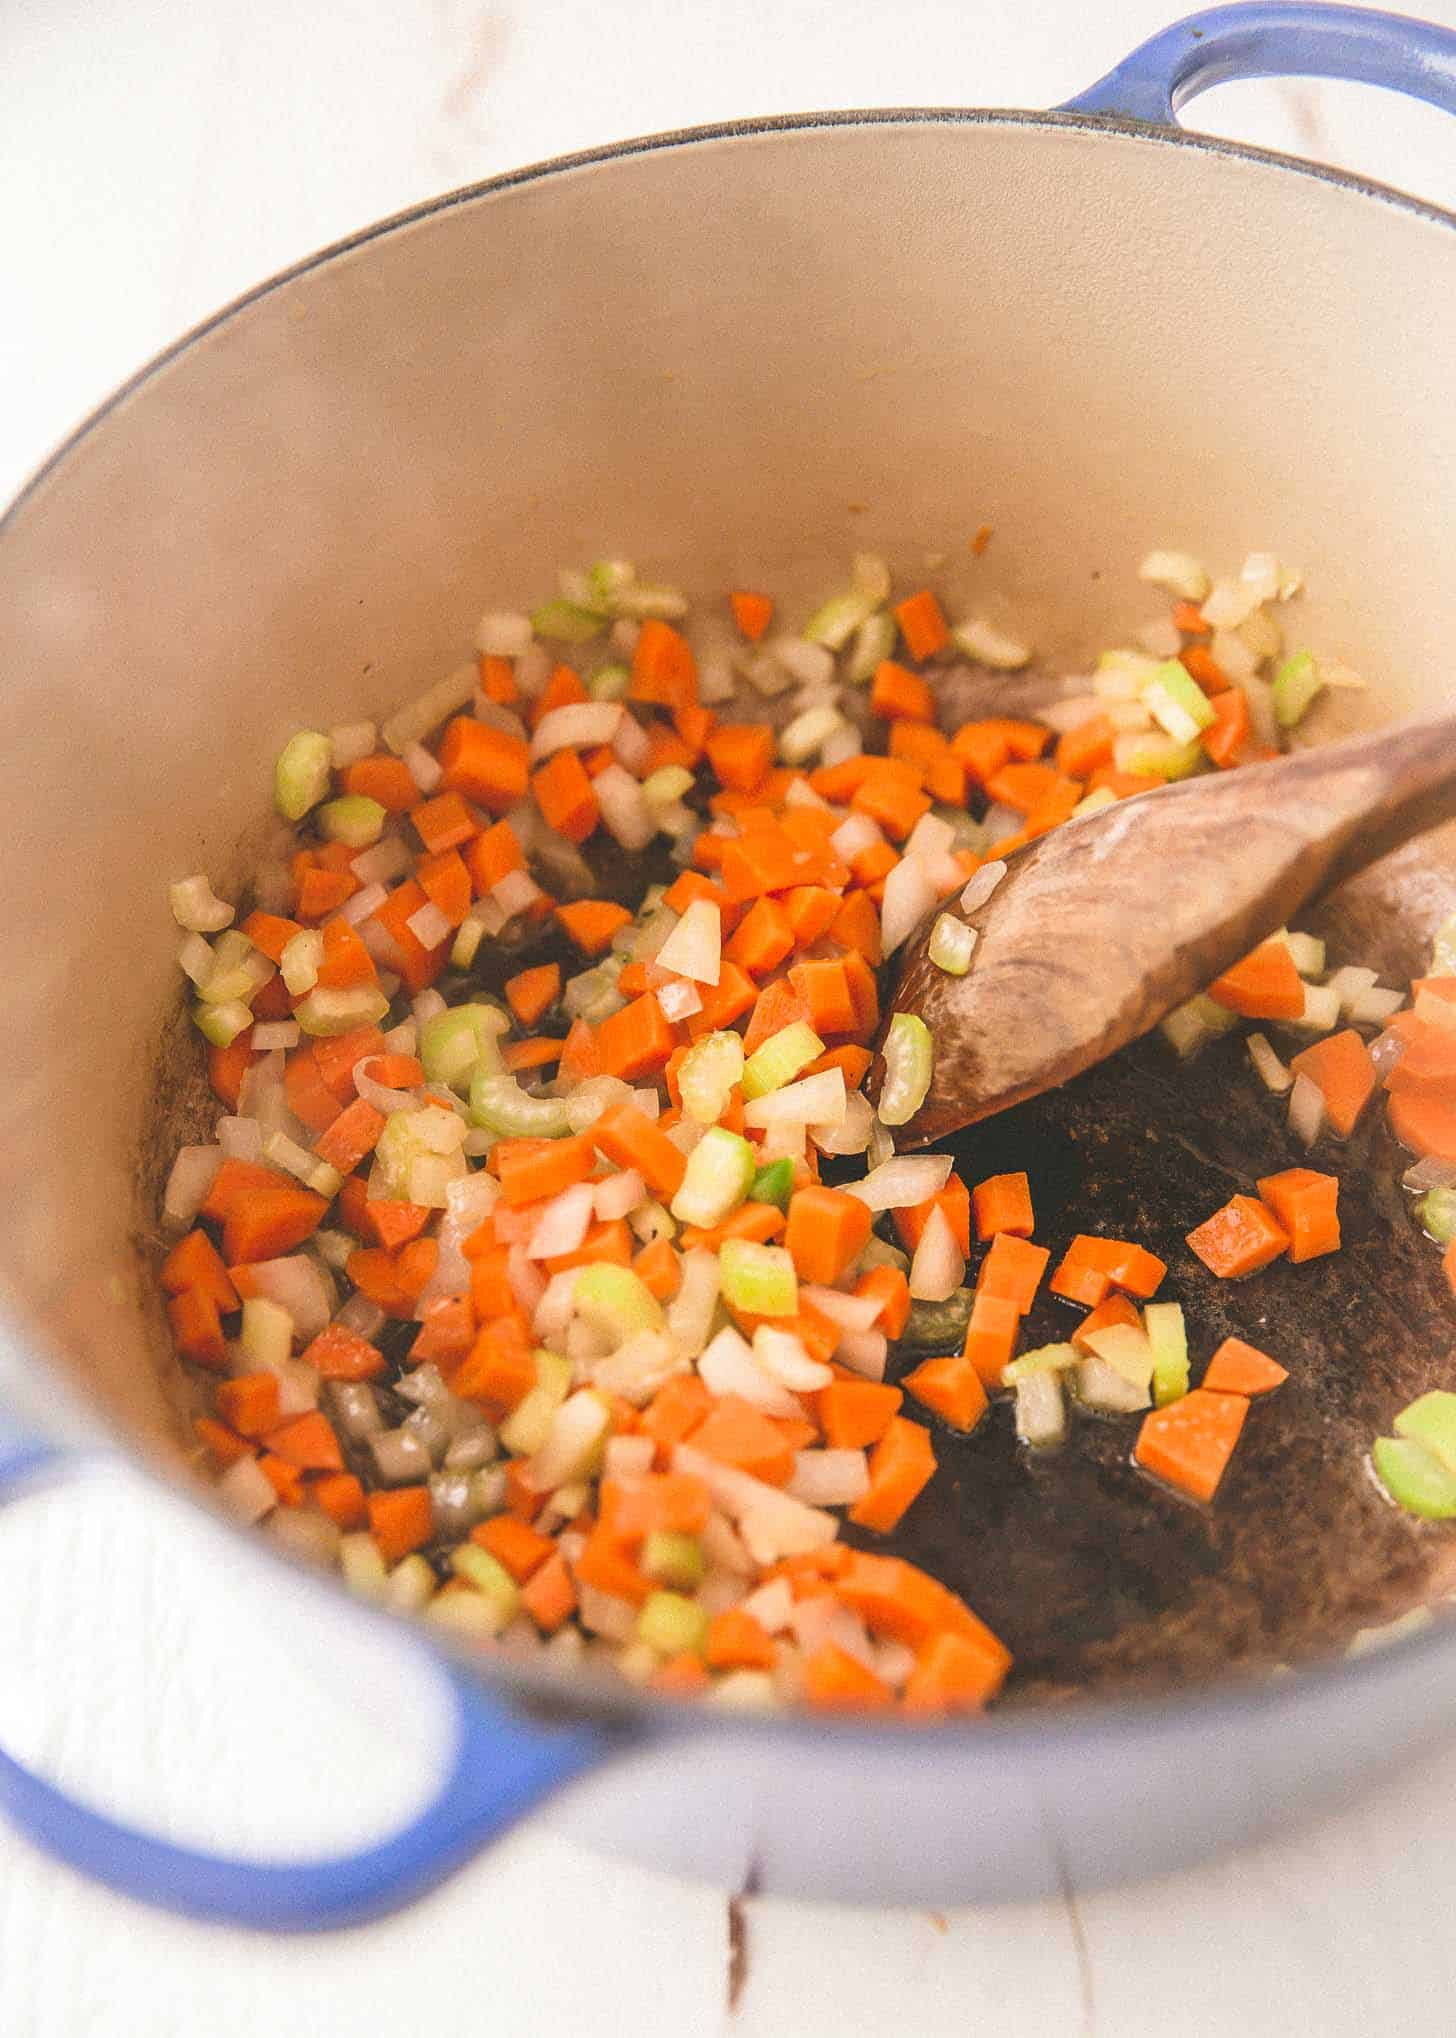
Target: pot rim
{"points": [[560, 1691]]}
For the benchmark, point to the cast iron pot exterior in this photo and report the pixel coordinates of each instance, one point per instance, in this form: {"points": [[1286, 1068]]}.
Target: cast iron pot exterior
{"points": [[737, 355]]}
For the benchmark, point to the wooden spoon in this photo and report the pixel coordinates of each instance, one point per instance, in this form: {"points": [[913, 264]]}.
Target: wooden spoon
{"points": [[1101, 927]]}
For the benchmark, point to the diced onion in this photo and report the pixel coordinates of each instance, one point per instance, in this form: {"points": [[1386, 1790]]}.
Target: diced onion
{"points": [[783, 1357], [625, 811], [361, 905], [910, 892], [429, 925], [901, 1183], [850, 1312], [1430, 1173], [829, 1478], [728, 1366], [581, 725], [854, 835], [382, 862], [562, 1224], [987, 645], [247, 1491], [513, 894], [1270, 1069], [679, 1001], [982, 885], [939, 1266], [694, 948], [864, 1352], [423, 769], [241, 1139], [275, 1033], [1179, 572], [817, 1100], [952, 944], [503, 634], [415, 720], [1306, 1110], [618, 1195], [188, 1183]]}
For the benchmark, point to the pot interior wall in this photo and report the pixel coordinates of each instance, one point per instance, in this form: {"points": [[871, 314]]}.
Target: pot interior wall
{"points": [[737, 360]]}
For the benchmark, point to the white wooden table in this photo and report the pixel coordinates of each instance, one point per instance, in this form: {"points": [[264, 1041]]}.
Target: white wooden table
{"points": [[154, 161]]}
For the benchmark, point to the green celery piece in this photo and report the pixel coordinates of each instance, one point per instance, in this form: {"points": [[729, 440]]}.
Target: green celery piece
{"points": [[671, 1624], [301, 775], [500, 1105], [1437, 1213], [1045, 1359], [952, 943], [1169, 1339], [758, 1279], [673, 1559], [606, 579], [1414, 1477], [874, 642], [567, 622], [609, 683], [835, 622], [1172, 682], [781, 1057], [1431, 1420], [355, 820], [327, 1012], [302, 960], [1295, 685], [909, 1061], [615, 1300], [1160, 757], [454, 1044], [774, 1183], [720, 1168], [480, 1569], [221, 1024]]}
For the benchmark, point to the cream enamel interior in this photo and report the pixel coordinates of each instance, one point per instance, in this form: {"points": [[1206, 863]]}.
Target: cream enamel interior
{"points": [[735, 359]]}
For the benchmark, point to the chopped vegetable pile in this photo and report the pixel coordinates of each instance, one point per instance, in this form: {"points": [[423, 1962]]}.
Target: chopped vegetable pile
{"points": [[538, 1314]]}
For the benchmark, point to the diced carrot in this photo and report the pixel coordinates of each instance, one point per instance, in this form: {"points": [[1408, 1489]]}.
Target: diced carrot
{"points": [[954, 1204], [321, 891], [1127, 1266], [418, 965], [1023, 785], [445, 881], [341, 1497], [631, 1139], [264, 1223], [902, 1464], [856, 927], [1188, 617], [270, 932], [515, 1544], [562, 690], [534, 991], [956, 1673], [447, 1331], [499, 1368], [1200, 664], [1265, 985], [656, 1266], [891, 1289], [1190, 1442], [834, 1681], [763, 938], [390, 1223], [724, 1003], [899, 694], [856, 1413], [488, 765], [493, 856], [226, 1067], [531, 1054], [249, 1401], [564, 795], [385, 779], [234, 1181], [922, 624], [852, 1061], [374, 1273], [635, 1041], [757, 1222], [1307, 1207], [824, 987], [652, 1503], [1448, 1265], [414, 1266], [751, 612], [1116, 1309], [1341, 1070], [1425, 1125], [736, 1641], [1080, 1281], [605, 1566], [827, 1231], [549, 1596], [952, 1387], [740, 753], [307, 1441], [285, 1479], [444, 823], [272, 1000], [498, 680], [741, 1435], [1229, 732], [353, 1133], [1003, 1203], [891, 794], [983, 749], [309, 1097], [675, 1411], [194, 1262], [400, 1520], [338, 1056], [811, 911], [346, 962], [664, 671], [222, 1444], [1013, 1269], [591, 923], [1083, 749], [579, 1055], [1239, 1368], [530, 1170], [608, 1243], [1239, 1239]]}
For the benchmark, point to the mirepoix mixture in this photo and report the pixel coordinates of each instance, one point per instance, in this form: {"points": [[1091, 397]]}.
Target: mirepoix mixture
{"points": [[568, 1317]]}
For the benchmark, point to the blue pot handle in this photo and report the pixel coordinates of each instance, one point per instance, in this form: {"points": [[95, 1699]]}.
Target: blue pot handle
{"points": [[501, 1767], [1281, 41]]}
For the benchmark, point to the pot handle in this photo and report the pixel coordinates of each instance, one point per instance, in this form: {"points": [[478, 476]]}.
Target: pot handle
{"points": [[1285, 40], [501, 1767]]}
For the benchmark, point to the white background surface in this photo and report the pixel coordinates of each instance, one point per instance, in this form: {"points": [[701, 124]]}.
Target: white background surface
{"points": [[154, 161]]}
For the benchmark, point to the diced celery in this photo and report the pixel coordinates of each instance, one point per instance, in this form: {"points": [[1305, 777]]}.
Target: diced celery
{"points": [[952, 944], [354, 819], [489, 1577], [1045, 1359], [455, 1043], [267, 1333], [196, 907], [1414, 1477], [606, 581], [221, 1024], [663, 788], [835, 621], [609, 682], [1127, 1349], [616, 1301], [567, 622], [1431, 1420], [362, 1566], [781, 1057], [1437, 1213], [324, 1180], [720, 1168], [417, 1157], [466, 946], [1306, 950], [874, 642], [1168, 1337], [672, 1624], [1161, 757], [1096, 801], [1177, 702], [573, 1446], [1041, 1410], [666, 603], [465, 1613], [708, 1072], [758, 1279], [674, 1559], [529, 1422], [301, 775], [303, 958], [774, 1183], [1296, 683], [327, 1012], [1179, 572], [498, 1103], [909, 1062]]}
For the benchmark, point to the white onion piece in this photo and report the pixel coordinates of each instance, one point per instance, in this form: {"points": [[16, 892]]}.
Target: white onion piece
{"points": [[771, 1523], [528, 1283], [402, 1039], [1385, 1051], [929, 838], [694, 948], [939, 1266], [846, 742], [188, 1183], [581, 725], [378, 1094], [1000, 820], [631, 745], [351, 741], [1161, 638], [618, 1195], [1430, 1173], [981, 886], [772, 1605], [1306, 1110], [247, 1491], [1070, 713], [615, 1620], [554, 1311], [503, 634], [829, 1478], [864, 1352], [423, 769], [1375, 1006], [515, 893], [625, 811], [241, 1139], [816, 1100], [852, 1133], [690, 1312], [987, 645], [361, 904], [628, 1457], [1270, 1069], [783, 1357], [1348, 983], [273, 1033], [429, 925], [1430, 1007], [728, 1366], [679, 1001], [562, 1225], [363, 1317], [850, 1312], [723, 1549], [810, 664], [297, 1283], [901, 1183], [854, 835]]}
